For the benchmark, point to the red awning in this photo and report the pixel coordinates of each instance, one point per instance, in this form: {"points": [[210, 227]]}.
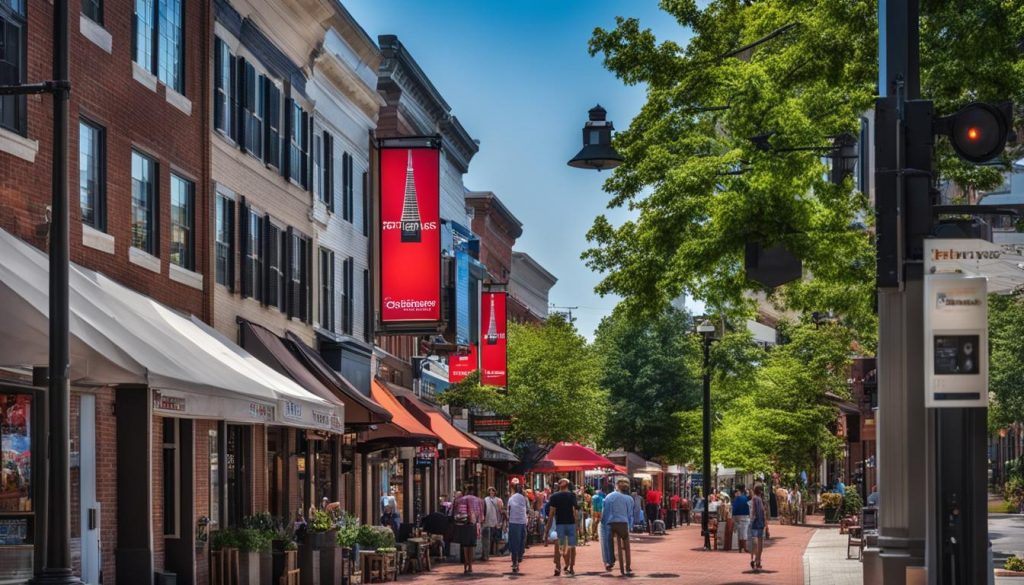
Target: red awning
{"points": [[565, 457], [403, 428], [436, 419]]}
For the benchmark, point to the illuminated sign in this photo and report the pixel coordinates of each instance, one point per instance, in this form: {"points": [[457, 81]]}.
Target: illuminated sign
{"points": [[493, 345], [410, 235], [460, 366]]}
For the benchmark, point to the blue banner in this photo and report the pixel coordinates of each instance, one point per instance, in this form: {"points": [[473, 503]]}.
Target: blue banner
{"points": [[462, 321]]}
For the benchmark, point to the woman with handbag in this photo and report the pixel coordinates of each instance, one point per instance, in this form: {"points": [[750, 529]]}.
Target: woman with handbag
{"points": [[464, 510]]}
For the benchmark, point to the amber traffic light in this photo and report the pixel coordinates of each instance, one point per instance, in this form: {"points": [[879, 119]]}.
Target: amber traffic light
{"points": [[977, 132]]}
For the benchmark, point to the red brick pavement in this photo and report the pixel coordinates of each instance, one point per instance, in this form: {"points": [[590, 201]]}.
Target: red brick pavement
{"points": [[674, 559]]}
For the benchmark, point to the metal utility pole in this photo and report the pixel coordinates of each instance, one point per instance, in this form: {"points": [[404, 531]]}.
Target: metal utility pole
{"points": [[706, 329]]}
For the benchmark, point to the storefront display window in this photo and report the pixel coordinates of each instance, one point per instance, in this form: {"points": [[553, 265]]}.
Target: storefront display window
{"points": [[15, 453]]}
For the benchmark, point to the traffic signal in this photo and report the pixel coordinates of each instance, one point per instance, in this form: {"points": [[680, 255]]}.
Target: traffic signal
{"points": [[978, 132]]}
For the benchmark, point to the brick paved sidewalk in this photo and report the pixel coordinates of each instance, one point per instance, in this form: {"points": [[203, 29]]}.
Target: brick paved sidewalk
{"points": [[674, 559]]}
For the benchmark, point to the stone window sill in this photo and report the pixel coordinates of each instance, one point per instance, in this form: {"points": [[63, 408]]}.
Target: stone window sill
{"points": [[19, 146], [144, 259], [97, 240], [143, 76], [96, 33], [186, 276]]}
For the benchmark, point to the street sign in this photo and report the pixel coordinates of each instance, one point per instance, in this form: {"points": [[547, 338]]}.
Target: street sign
{"points": [[955, 341]]}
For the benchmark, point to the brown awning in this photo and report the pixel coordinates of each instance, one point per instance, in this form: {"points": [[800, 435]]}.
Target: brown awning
{"points": [[360, 410]]}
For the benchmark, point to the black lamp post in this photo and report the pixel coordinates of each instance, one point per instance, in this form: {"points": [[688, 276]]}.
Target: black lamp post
{"points": [[844, 157], [597, 152], [707, 330]]}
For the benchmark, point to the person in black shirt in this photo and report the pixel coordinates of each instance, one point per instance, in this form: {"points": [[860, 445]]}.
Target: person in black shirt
{"points": [[562, 510]]}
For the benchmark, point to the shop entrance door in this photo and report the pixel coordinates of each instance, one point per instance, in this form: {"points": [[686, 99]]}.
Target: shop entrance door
{"points": [[90, 507]]}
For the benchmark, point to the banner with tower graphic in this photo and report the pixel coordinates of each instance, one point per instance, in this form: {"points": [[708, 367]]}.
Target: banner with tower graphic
{"points": [[493, 346], [410, 235]]}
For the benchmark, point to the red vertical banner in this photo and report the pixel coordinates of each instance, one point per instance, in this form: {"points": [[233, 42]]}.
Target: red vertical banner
{"points": [[460, 366], [410, 235], [493, 344]]}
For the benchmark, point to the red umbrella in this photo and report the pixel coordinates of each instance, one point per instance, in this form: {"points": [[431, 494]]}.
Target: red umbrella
{"points": [[566, 457]]}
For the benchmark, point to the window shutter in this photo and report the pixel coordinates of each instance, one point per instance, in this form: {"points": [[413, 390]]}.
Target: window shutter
{"points": [[244, 241], [272, 121], [286, 143], [307, 161], [290, 288], [331, 288], [231, 244], [237, 100], [329, 170], [350, 278], [366, 204], [266, 245], [349, 194], [366, 306], [307, 247], [218, 84]]}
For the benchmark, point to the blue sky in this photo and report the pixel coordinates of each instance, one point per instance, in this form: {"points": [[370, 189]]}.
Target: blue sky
{"points": [[518, 76]]}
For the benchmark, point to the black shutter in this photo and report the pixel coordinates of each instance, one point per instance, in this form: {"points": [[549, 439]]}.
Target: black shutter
{"points": [[329, 170], [330, 302], [366, 305], [366, 204], [286, 143], [349, 195], [346, 177], [307, 265], [243, 249], [272, 122], [218, 85], [350, 278], [238, 99], [231, 244], [307, 147], [290, 288], [266, 244]]}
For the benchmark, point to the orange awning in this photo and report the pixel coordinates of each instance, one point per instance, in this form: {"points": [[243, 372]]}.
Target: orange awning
{"points": [[400, 416], [450, 436]]}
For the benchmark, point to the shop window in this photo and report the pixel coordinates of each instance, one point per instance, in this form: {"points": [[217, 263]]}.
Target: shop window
{"points": [[276, 457], [171, 477], [325, 457], [15, 458], [237, 465], [214, 459]]}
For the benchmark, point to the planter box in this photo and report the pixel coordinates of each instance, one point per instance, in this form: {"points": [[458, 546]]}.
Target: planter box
{"points": [[249, 568], [833, 515], [1004, 577]]}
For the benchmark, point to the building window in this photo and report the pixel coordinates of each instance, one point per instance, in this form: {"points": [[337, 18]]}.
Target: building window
{"points": [[13, 64], [346, 295], [327, 289], [318, 165], [91, 180], [253, 111], [171, 478], [93, 9], [182, 223], [213, 458], [346, 187], [297, 270], [272, 103], [298, 145], [367, 310], [224, 241], [144, 203], [275, 267], [222, 85], [158, 23], [252, 255], [16, 494]]}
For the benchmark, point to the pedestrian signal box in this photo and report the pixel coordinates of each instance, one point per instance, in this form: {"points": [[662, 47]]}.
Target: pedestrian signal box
{"points": [[956, 341]]}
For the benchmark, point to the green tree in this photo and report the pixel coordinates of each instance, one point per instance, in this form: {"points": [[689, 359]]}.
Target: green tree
{"points": [[1006, 359], [553, 386], [651, 370], [782, 421]]}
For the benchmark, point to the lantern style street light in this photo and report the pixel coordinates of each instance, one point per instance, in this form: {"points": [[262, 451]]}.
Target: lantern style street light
{"points": [[597, 152], [707, 330]]}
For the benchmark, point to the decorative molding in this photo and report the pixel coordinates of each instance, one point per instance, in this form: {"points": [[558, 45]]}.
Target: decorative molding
{"points": [[96, 33], [97, 240], [179, 101], [143, 76], [185, 276], [18, 145], [144, 259]]}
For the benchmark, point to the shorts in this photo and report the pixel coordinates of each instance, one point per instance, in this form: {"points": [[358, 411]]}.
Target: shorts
{"points": [[757, 532], [742, 527], [566, 534]]}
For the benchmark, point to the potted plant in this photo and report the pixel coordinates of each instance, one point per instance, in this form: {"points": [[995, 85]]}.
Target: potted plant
{"points": [[270, 530], [348, 535], [832, 504], [321, 530], [1012, 572]]}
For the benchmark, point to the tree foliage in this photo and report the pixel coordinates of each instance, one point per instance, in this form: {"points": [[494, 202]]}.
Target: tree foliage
{"points": [[651, 370], [781, 421], [1006, 359], [553, 386]]}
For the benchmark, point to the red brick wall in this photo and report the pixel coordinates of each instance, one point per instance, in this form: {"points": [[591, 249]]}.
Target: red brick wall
{"points": [[106, 478], [157, 483], [260, 473], [104, 90], [201, 457]]}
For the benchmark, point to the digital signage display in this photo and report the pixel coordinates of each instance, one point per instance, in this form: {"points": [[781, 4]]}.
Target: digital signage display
{"points": [[410, 235], [493, 345]]}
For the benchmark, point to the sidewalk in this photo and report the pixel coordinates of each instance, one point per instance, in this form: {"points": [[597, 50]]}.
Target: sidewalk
{"points": [[825, 561]]}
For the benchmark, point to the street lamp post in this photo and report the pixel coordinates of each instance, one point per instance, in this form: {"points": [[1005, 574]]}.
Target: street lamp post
{"points": [[707, 331]]}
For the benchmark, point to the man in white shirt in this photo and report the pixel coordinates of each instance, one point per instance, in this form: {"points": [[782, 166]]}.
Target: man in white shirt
{"points": [[517, 519], [494, 519]]}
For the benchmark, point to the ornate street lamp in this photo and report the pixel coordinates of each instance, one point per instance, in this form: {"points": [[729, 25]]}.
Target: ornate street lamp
{"points": [[597, 152], [707, 329]]}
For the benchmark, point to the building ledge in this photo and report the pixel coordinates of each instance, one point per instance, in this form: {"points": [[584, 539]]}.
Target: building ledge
{"points": [[19, 146], [97, 240], [186, 276], [179, 101], [96, 33], [144, 259], [144, 77]]}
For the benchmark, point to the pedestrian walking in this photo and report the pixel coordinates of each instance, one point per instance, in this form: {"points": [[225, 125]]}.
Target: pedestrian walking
{"points": [[562, 510], [652, 499], [619, 512], [494, 521], [517, 520], [758, 522], [699, 506], [741, 517], [596, 508], [467, 522], [638, 510], [584, 500]]}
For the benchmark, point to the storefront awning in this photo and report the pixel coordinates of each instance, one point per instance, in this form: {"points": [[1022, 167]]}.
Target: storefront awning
{"points": [[360, 410], [438, 422], [566, 457], [490, 451], [634, 463], [273, 351], [119, 336], [404, 429]]}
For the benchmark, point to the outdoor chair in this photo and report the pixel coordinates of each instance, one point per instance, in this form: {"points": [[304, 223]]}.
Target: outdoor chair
{"points": [[855, 538]]}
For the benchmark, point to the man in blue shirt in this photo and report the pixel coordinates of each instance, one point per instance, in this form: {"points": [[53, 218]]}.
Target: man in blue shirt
{"points": [[840, 486], [619, 509], [741, 516]]}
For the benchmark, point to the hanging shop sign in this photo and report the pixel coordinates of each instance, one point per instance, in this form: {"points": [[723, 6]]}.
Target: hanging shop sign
{"points": [[462, 315], [462, 365], [490, 424], [956, 341], [493, 345], [410, 234], [425, 456]]}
